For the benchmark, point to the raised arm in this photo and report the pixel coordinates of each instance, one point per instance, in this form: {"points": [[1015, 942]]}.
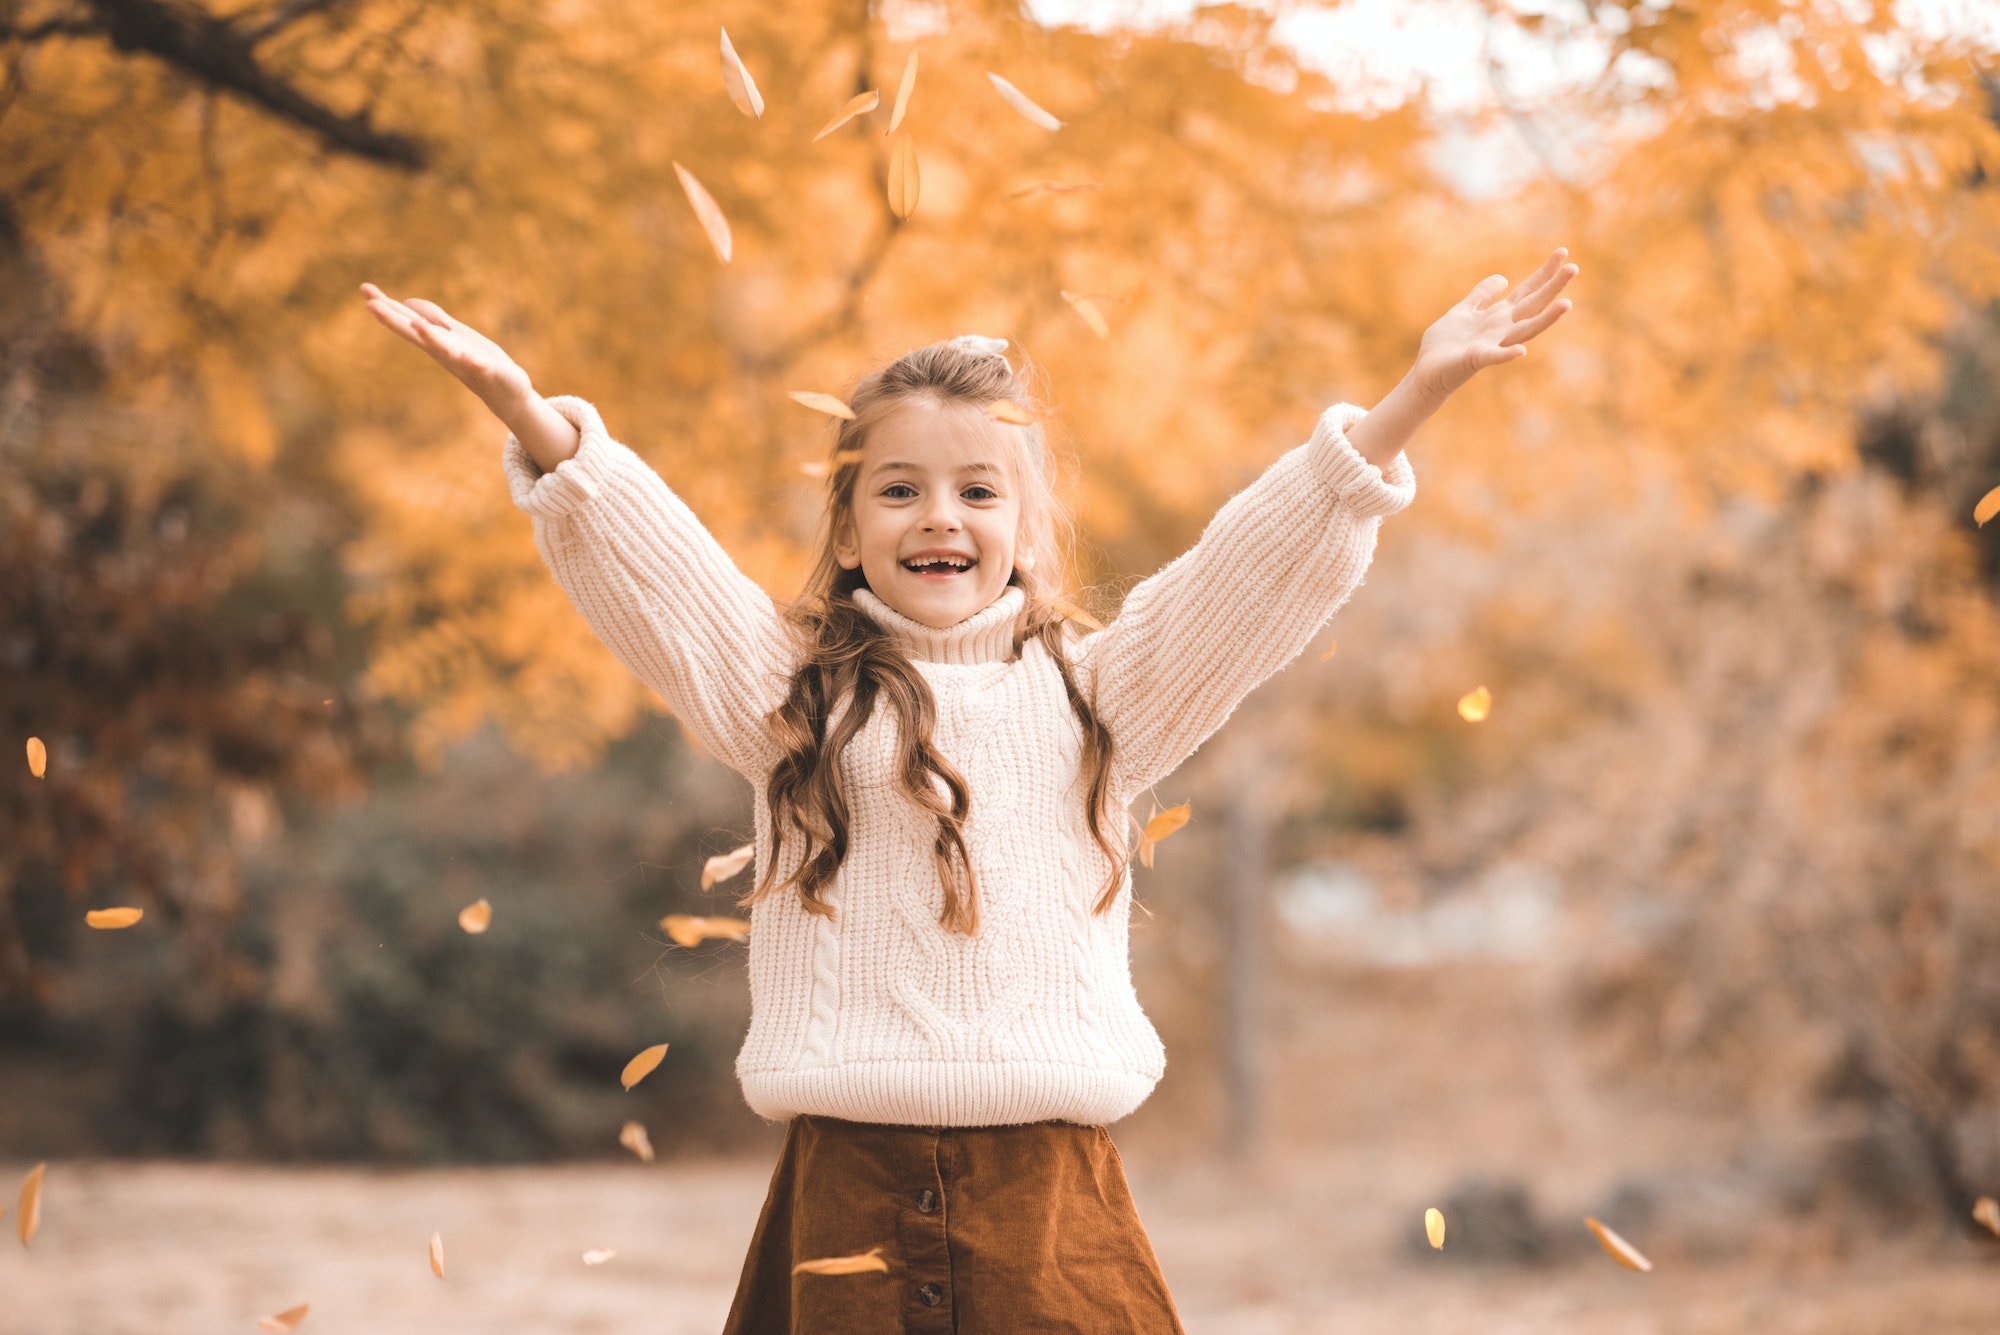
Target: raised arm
{"points": [[657, 588], [1272, 566]]}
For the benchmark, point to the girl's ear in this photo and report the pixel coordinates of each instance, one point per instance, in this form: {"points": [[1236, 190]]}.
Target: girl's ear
{"points": [[846, 556], [846, 552], [1024, 559]]}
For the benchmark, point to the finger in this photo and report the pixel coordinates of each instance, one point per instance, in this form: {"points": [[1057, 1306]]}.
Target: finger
{"points": [[1537, 300], [433, 312], [1539, 276], [1487, 290], [1522, 332], [404, 311]]}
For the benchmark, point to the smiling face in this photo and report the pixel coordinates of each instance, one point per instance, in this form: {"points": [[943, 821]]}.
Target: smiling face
{"points": [[937, 511]]}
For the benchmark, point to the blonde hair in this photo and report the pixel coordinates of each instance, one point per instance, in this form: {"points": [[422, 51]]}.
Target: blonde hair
{"points": [[849, 657]]}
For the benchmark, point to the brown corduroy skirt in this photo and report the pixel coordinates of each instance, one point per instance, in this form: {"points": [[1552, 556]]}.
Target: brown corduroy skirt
{"points": [[984, 1230]]}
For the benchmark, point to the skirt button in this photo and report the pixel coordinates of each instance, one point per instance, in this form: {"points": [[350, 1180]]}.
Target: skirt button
{"points": [[926, 1200], [931, 1294]]}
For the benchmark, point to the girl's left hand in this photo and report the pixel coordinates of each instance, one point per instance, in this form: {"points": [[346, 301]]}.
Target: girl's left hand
{"points": [[1485, 329]]}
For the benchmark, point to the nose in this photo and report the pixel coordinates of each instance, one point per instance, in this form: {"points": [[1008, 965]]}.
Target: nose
{"points": [[941, 517]]}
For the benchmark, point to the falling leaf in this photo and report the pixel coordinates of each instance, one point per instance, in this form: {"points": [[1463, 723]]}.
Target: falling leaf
{"points": [[814, 468], [437, 1255], [844, 1265], [38, 757], [1475, 704], [1434, 1227], [857, 105], [1006, 410], [687, 930], [1987, 1211], [903, 91], [642, 1065], [1330, 647], [708, 211], [1021, 102], [598, 1255], [112, 919], [1989, 505], [824, 403], [1159, 827], [725, 865], [31, 1204], [742, 88], [286, 1320], [1091, 315], [1051, 187], [1623, 1252], [634, 1138], [903, 177], [1071, 612], [476, 917]]}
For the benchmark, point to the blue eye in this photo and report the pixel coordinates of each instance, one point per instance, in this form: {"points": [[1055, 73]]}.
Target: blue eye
{"points": [[901, 491], [979, 491]]}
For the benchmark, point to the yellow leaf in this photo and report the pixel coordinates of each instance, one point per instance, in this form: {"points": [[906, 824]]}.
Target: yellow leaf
{"points": [[38, 757], [687, 930], [857, 105], [903, 177], [31, 1204], [286, 1320], [1162, 824], [903, 91], [842, 458], [1330, 647], [642, 1065], [1623, 1252], [708, 211], [1434, 1227], [1006, 410], [1087, 308], [742, 88], [844, 1265], [112, 919], [725, 865], [634, 1138], [598, 1255], [1475, 704], [1023, 104], [476, 917], [1989, 505], [437, 1255], [1987, 1211], [1071, 612], [824, 403]]}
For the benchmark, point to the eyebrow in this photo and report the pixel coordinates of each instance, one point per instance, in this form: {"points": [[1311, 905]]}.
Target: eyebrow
{"points": [[898, 465]]}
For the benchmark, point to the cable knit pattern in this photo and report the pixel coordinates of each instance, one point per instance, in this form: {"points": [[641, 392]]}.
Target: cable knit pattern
{"points": [[877, 1013]]}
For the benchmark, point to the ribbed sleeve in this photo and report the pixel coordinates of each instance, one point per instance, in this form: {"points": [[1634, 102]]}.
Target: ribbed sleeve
{"points": [[1271, 567], [657, 588]]}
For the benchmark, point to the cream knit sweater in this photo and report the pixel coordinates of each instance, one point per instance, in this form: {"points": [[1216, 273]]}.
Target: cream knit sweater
{"points": [[877, 1013]]}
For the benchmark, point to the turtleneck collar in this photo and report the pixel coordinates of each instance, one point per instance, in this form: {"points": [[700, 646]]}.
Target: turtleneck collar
{"points": [[983, 637]]}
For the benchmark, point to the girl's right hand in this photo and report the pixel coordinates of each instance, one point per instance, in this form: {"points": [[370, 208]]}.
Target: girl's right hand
{"points": [[482, 365]]}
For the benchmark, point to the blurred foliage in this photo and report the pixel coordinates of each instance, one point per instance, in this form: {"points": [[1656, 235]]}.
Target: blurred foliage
{"points": [[1741, 681]]}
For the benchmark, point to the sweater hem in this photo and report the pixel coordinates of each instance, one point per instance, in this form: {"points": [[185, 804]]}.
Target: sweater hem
{"points": [[946, 1093]]}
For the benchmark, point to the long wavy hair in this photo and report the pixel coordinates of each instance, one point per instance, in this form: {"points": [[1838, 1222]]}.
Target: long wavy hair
{"points": [[852, 661]]}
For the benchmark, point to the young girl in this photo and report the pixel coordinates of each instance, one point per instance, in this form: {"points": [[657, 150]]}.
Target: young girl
{"points": [[942, 1002]]}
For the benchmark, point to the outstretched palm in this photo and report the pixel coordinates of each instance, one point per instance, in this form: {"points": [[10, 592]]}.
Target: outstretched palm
{"points": [[1487, 329], [483, 365]]}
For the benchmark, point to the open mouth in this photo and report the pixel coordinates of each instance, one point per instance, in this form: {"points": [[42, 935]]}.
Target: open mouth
{"points": [[939, 563]]}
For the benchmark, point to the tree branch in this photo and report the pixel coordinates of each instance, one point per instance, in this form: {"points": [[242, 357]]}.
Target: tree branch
{"points": [[283, 16], [222, 56]]}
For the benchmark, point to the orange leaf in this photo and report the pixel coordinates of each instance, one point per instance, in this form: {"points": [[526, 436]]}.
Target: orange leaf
{"points": [[634, 1138], [112, 919], [814, 468], [818, 402], [38, 757], [1989, 505], [437, 1255], [1163, 824], [1093, 317], [1434, 1227], [31, 1204], [1330, 647], [687, 930], [736, 79], [903, 91], [286, 1320], [904, 178], [1623, 1252], [476, 917], [1021, 102], [844, 1265], [1475, 704], [1987, 1211], [1071, 612], [708, 211], [1006, 410], [857, 105], [642, 1065]]}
